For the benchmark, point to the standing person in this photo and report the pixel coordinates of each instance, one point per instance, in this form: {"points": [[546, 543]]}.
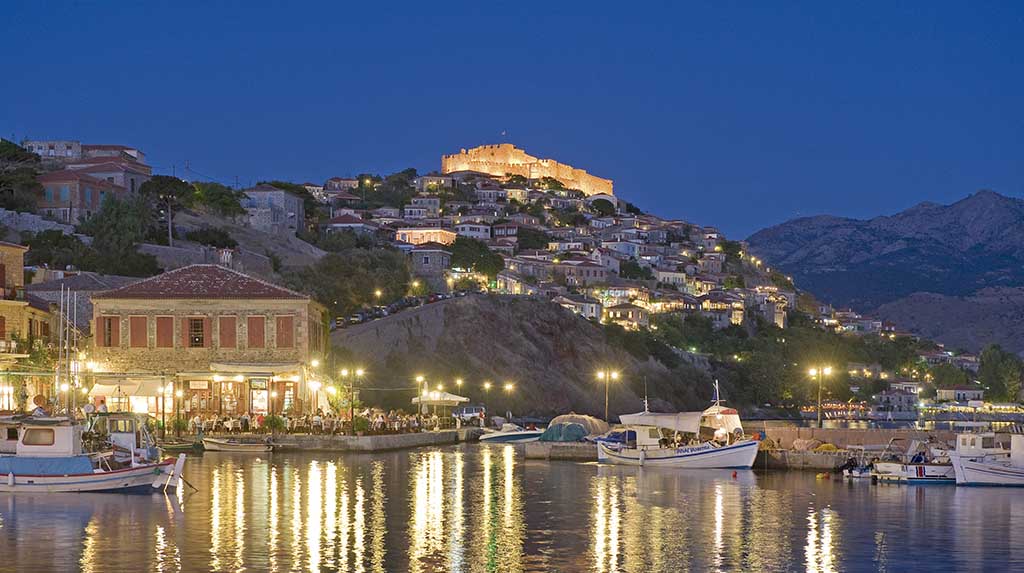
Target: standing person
{"points": [[103, 406]]}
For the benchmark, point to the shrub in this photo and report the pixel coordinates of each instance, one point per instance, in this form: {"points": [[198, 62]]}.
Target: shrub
{"points": [[274, 423], [213, 237]]}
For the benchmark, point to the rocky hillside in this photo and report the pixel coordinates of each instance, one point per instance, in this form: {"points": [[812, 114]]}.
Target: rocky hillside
{"points": [[550, 354], [991, 315], [953, 251]]}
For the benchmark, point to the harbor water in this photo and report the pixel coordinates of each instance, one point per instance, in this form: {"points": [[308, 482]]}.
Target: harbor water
{"points": [[485, 508]]}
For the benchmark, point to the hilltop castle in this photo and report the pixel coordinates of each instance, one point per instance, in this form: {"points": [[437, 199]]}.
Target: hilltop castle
{"points": [[503, 158]]}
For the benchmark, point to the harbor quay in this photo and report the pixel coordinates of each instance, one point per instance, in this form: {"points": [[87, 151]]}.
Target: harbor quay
{"points": [[368, 443]]}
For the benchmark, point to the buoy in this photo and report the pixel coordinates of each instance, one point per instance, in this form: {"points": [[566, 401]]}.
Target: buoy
{"points": [[824, 475], [10, 479], [733, 475]]}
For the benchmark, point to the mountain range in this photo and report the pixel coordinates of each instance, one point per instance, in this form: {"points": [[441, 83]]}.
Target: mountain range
{"points": [[949, 272]]}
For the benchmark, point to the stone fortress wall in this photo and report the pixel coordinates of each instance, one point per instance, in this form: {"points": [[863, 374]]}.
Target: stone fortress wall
{"points": [[497, 160]]}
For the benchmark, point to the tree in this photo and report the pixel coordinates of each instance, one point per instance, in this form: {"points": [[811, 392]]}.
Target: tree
{"points": [[603, 207], [529, 238], [472, 254], [949, 376], [515, 181], [19, 170], [117, 229], [347, 281], [213, 237], [219, 199], [1000, 372], [551, 183], [55, 249], [633, 270], [733, 281], [168, 193]]}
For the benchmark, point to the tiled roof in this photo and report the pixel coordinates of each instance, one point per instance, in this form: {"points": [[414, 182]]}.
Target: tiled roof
{"points": [[347, 219], [202, 282], [85, 281], [109, 166], [432, 246], [74, 175]]}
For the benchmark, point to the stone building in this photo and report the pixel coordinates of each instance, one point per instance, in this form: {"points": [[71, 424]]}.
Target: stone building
{"points": [[274, 210], [430, 260], [505, 158], [420, 235], [230, 342], [73, 196]]}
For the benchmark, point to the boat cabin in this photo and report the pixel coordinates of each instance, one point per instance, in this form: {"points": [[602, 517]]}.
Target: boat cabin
{"points": [[127, 432], [40, 437]]}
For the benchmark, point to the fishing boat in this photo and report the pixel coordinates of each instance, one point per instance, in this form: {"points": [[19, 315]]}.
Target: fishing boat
{"points": [[712, 439], [49, 455], [921, 463], [236, 445], [511, 433], [1000, 470]]}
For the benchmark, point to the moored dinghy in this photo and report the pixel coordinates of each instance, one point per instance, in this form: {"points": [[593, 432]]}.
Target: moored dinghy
{"points": [[236, 445]]}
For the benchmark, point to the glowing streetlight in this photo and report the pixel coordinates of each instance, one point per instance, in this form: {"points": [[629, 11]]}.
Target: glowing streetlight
{"points": [[64, 387], [344, 372], [487, 386], [332, 390], [377, 293], [314, 385], [607, 376], [440, 387], [509, 386], [315, 363], [458, 382], [818, 373], [419, 379]]}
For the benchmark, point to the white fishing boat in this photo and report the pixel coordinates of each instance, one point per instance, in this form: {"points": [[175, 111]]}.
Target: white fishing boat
{"points": [[988, 470], [236, 445], [921, 463], [510, 433], [712, 439], [48, 455]]}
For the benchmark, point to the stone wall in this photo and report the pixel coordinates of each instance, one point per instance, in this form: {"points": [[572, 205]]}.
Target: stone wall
{"points": [[123, 358], [498, 160], [843, 438], [16, 221]]}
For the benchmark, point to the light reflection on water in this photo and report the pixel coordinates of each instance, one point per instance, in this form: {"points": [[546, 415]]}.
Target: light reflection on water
{"points": [[484, 508]]}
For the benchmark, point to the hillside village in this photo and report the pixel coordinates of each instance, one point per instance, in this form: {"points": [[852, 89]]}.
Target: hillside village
{"points": [[255, 280]]}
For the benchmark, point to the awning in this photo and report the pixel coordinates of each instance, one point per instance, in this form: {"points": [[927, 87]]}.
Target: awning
{"points": [[128, 387], [438, 398], [268, 368], [680, 422]]}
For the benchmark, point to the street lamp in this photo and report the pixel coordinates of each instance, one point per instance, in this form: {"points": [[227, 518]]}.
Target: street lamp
{"points": [[458, 383], [177, 398], [607, 376], [818, 373]]}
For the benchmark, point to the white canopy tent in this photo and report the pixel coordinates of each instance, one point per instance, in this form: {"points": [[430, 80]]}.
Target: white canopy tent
{"points": [[720, 417], [438, 398], [680, 422], [135, 394]]}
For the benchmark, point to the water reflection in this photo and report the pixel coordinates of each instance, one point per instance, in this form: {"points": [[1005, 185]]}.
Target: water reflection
{"points": [[485, 508]]}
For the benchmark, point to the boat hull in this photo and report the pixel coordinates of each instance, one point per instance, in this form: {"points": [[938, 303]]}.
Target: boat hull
{"points": [[973, 473], [914, 473], [213, 445], [740, 455], [141, 479], [511, 437]]}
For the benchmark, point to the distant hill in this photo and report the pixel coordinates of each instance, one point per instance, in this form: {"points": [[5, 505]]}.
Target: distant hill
{"points": [[952, 250], [549, 353]]}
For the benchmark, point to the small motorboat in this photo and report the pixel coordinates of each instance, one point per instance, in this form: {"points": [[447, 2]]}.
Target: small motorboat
{"points": [[236, 445], [510, 433]]}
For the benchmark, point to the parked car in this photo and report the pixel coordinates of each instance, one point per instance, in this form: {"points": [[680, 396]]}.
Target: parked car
{"points": [[470, 415]]}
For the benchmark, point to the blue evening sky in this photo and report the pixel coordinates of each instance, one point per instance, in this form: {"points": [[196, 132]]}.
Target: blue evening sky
{"points": [[736, 114]]}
